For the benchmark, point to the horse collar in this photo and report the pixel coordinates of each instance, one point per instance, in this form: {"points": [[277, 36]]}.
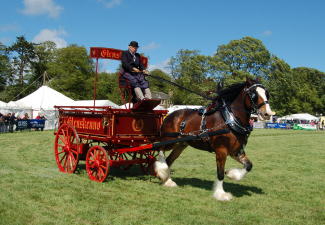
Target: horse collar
{"points": [[232, 122]]}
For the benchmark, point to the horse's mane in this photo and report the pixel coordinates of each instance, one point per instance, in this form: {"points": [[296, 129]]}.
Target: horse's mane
{"points": [[230, 93]]}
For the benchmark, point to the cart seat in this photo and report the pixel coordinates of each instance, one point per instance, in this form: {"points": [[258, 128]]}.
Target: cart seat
{"points": [[146, 104]]}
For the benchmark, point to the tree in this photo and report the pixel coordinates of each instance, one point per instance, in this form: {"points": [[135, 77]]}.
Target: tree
{"points": [[22, 62], [240, 58], [310, 89], [281, 86], [4, 67], [107, 87], [73, 71], [189, 69], [158, 85], [44, 53]]}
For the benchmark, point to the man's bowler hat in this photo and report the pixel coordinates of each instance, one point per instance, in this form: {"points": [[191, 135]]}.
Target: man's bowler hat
{"points": [[134, 44]]}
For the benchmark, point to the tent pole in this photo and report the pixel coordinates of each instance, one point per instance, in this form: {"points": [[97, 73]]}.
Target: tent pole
{"points": [[95, 83]]}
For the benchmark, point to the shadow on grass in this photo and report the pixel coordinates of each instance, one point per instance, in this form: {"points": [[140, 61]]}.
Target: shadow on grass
{"points": [[135, 172], [235, 189]]}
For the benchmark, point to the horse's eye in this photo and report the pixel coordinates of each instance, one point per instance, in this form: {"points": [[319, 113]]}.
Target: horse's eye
{"points": [[267, 95]]}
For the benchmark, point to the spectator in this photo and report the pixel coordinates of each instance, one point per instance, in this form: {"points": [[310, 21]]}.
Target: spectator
{"points": [[6, 122], [12, 122], [17, 118], [38, 117], [43, 118], [24, 117], [1, 122]]}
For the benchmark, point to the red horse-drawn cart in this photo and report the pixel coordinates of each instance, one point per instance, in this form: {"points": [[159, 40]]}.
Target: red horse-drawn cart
{"points": [[106, 136]]}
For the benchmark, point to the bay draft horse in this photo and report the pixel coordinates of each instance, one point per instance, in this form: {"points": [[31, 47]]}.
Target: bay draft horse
{"points": [[230, 109]]}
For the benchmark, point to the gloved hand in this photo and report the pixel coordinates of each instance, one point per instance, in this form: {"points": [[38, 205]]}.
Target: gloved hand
{"points": [[145, 72], [136, 70]]}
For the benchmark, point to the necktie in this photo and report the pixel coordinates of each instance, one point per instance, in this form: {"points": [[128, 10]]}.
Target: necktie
{"points": [[134, 57]]}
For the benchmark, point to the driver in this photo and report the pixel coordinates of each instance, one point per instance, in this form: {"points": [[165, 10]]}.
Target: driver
{"points": [[131, 68]]}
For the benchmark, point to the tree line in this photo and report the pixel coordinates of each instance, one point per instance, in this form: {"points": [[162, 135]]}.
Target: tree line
{"points": [[70, 71]]}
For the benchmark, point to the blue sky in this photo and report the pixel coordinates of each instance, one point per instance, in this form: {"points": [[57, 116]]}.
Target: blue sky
{"points": [[291, 30]]}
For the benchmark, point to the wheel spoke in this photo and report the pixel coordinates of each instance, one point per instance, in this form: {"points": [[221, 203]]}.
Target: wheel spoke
{"points": [[62, 139], [73, 158], [64, 156]]}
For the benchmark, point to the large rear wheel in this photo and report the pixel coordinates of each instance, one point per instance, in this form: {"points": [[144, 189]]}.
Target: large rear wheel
{"points": [[66, 148], [97, 163]]}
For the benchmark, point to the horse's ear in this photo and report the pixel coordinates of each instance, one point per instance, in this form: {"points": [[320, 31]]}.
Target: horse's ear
{"points": [[258, 78], [249, 80]]}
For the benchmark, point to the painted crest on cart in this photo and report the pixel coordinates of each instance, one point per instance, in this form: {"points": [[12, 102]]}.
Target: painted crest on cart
{"points": [[137, 124]]}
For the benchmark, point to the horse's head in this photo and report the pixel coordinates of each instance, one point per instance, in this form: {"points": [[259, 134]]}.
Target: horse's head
{"points": [[257, 98]]}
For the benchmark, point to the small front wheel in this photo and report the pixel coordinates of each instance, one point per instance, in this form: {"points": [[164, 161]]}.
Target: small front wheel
{"points": [[97, 163], [148, 166]]}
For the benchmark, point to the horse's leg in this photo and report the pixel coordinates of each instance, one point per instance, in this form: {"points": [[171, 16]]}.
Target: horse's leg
{"points": [[219, 193], [238, 174], [163, 166]]}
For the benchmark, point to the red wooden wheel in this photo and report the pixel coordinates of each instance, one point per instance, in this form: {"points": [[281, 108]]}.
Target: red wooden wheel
{"points": [[148, 167], [121, 157], [66, 148], [97, 163]]}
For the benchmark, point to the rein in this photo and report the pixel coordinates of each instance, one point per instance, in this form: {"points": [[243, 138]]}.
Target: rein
{"points": [[172, 83]]}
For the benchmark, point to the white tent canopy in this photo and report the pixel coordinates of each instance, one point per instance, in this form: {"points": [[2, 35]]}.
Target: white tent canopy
{"points": [[40, 101], [130, 105], [2, 103], [300, 116], [45, 98], [177, 107], [97, 103]]}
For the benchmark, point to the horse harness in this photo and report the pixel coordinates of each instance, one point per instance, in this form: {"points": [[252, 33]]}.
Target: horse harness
{"points": [[227, 115]]}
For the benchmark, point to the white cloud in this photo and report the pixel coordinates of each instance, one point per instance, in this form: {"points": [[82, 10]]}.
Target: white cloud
{"points": [[41, 7], [5, 40], [267, 33], [151, 46], [111, 3], [160, 66], [9, 27], [51, 35]]}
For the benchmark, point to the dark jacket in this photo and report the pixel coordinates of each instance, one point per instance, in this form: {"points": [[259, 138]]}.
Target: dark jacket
{"points": [[136, 79], [128, 63]]}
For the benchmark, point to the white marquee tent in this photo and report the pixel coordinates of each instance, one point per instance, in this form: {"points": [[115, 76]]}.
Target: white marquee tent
{"points": [[130, 105], [300, 116], [97, 103], [177, 107], [43, 101], [2, 104]]}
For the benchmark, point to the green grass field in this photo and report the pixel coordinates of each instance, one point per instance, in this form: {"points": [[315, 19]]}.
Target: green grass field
{"points": [[285, 186]]}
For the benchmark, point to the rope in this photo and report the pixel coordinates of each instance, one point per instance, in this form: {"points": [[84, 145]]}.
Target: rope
{"points": [[60, 87], [26, 88]]}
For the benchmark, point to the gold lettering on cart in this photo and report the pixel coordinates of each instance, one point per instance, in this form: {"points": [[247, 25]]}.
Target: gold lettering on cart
{"points": [[84, 123], [137, 124]]}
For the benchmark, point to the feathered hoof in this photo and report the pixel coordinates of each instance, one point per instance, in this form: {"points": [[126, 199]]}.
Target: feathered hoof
{"points": [[162, 170], [235, 174], [170, 183], [222, 196]]}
